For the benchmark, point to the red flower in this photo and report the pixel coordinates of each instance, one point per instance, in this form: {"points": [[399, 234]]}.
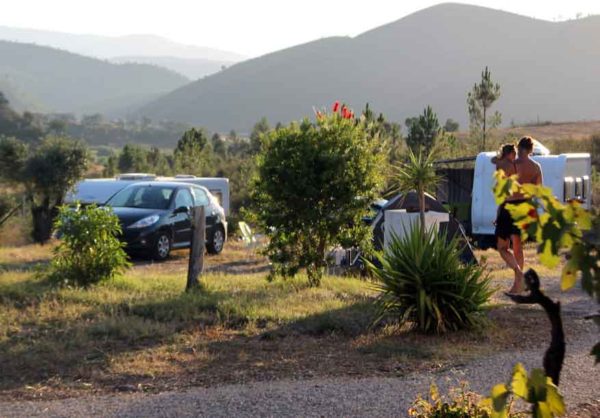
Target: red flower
{"points": [[532, 213], [344, 112], [524, 226], [336, 106]]}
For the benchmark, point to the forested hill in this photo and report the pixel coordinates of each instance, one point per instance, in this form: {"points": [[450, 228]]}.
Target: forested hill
{"points": [[51, 80], [547, 71]]}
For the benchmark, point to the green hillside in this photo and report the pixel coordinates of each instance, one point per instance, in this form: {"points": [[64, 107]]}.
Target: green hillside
{"points": [[46, 79], [547, 70]]}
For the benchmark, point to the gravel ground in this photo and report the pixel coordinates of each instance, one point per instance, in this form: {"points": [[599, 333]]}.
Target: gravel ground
{"points": [[580, 383]]}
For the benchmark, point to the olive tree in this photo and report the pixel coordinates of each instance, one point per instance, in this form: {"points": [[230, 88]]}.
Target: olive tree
{"points": [[314, 182], [46, 172]]}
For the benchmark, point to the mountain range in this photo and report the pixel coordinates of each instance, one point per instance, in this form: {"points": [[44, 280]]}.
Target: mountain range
{"points": [[547, 70], [45, 79], [192, 61]]}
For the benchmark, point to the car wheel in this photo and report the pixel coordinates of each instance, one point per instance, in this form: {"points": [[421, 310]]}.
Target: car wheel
{"points": [[162, 247], [217, 241]]}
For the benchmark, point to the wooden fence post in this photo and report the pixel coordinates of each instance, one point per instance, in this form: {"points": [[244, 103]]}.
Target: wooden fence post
{"points": [[196, 262]]}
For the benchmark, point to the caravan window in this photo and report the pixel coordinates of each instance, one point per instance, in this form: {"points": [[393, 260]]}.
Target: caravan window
{"points": [[584, 187], [569, 189]]}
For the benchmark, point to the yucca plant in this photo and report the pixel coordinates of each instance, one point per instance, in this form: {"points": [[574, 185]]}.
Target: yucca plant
{"points": [[422, 281], [418, 174]]}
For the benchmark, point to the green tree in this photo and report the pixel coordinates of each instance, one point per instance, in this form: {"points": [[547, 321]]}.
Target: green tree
{"points": [[479, 101], [451, 125], [192, 153], [133, 158], [57, 126], [111, 168], [380, 127], [219, 145], [24, 126], [314, 182], [260, 129], [423, 131], [47, 172], [157, 162]]}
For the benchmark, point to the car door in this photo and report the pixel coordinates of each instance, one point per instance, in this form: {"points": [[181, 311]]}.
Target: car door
{"points": [[182, 223]]}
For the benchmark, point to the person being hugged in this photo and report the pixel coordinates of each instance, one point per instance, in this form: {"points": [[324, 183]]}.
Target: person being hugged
{"points": [[508, 238]]}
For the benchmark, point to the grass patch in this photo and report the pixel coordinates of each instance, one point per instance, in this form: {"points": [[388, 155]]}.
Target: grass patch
{"points": [[74, 333], [143, 330]]}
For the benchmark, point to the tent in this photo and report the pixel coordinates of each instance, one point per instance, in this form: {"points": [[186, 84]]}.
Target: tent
{"points": [[410, 202]]}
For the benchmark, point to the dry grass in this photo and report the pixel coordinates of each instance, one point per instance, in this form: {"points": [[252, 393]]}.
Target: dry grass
{"points": [[556, 131], [142, 332]]}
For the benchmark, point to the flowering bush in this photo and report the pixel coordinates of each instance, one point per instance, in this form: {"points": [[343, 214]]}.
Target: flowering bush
{"points": [[314, 183]]}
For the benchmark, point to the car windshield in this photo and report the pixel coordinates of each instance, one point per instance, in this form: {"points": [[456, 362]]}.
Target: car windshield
{"points": [[143, 197]]}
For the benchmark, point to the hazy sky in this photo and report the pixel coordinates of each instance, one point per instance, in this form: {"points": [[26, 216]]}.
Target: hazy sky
{"points": [[249, 27]]}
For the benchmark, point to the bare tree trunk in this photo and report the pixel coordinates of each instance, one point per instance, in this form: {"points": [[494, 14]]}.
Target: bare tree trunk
{"points": [[422, 210], [43, 219], [484, 123], [555, 354], [196, 262]]}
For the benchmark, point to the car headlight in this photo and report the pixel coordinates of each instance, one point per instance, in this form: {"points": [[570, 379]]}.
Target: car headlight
{"points": [[143, 223]]}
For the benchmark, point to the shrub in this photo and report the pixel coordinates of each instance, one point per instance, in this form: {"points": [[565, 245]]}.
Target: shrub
{"points": [[422, 280], [314, 184], [90, 251], [459, 403]]}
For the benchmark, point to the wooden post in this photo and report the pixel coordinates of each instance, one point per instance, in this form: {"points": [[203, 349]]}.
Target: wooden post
{"points": [[196, 263]]}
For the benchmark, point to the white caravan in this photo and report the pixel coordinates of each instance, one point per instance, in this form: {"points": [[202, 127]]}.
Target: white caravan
{"points": [[569, 176]]}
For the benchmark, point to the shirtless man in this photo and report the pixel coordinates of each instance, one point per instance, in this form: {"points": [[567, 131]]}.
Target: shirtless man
{"points": [[528, 172], [506, 232]]}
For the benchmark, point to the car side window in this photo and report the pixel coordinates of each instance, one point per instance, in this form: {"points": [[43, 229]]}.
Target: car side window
{"points": [[184, 198], [200, 197]]}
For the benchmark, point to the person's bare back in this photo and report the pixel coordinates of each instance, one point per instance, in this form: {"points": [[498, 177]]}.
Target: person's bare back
{"points": [[528, 171]]}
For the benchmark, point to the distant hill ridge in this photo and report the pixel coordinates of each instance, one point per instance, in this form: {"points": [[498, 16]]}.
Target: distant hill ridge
{"points": [[547, 70], [189, 60], [114, 46], [47, 79]]}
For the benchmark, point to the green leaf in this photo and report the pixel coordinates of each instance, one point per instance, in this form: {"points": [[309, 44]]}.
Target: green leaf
{"points": [[554, 399], [548, 258], [569, 275], [499, 398], [538, 386], [519, 381]]}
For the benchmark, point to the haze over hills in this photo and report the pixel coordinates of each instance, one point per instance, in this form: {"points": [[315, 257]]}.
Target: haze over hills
{"points": [[195, 61], [547, 70], [192, 68], [51, 80]]}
